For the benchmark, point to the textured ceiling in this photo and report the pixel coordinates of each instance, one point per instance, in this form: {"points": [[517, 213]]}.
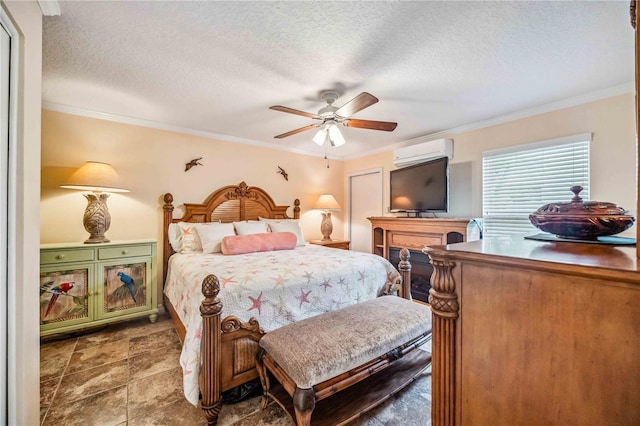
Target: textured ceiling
{"points": [[216, 67]]}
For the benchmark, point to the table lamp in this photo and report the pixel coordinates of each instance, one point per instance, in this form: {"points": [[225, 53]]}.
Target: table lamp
{"points": [[101, 179], [326, 202]]}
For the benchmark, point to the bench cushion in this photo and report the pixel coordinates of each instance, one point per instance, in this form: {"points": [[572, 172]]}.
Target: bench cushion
{"points": [[322, 347]]}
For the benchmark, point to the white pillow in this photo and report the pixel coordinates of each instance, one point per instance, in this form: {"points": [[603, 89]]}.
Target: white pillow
{"points": [[190, 239], [175, 237], [211, 235], [288, 226], [247, 228]]}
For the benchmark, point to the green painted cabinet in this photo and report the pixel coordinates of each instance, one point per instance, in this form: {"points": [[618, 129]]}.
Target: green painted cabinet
{"points": [[84, 285]]}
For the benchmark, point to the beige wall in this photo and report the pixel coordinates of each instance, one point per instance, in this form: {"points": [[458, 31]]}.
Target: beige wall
{"points": [[24, 331], [613, 153], [151, 162]]}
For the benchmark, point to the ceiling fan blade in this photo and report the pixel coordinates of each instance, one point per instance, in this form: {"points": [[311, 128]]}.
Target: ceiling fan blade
{"points": [[301, 129], [360, 102], [369, 124], [294, 111]]}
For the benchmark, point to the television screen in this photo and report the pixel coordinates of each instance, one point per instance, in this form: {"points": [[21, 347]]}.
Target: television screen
{"points": [[421, 188]]}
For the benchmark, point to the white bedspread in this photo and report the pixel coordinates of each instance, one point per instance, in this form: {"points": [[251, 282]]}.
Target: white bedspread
{"points": [[277, 288]]}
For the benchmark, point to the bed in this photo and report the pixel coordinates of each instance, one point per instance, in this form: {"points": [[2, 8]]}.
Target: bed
{"points": [[219, 302]]}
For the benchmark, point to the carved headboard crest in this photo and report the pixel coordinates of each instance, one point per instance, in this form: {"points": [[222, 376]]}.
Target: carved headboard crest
{"points": [[242, 191]]}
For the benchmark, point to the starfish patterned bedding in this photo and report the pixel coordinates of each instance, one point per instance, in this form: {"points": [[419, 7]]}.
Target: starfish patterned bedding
{"points": [[277, 288]]}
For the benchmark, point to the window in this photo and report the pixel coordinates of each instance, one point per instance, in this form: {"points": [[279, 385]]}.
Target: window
{"points": [[516, 181]]}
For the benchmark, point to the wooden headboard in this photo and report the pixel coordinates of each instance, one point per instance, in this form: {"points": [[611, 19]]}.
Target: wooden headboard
{"points": [[231, 203]]}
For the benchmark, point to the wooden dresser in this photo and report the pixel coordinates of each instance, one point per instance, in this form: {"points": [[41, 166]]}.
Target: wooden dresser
{"points": [[528, 332]]}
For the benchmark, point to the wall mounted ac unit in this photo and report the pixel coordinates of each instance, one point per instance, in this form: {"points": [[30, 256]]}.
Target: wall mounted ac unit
{"points": [[421, 152]]}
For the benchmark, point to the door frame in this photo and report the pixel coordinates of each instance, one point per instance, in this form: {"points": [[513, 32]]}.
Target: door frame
{"points": [[8, 249], [377, 170]]}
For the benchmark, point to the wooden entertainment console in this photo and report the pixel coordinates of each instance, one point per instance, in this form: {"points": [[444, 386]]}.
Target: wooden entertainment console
{"points": [[390, 234]]}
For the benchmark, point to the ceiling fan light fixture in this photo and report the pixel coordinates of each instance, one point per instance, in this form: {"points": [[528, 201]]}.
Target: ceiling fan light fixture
{"points": [[320, 136], [335, 136], [331, 116]]}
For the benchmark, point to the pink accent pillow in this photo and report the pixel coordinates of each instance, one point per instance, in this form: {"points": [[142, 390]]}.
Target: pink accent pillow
{"points": [[239, 244]]}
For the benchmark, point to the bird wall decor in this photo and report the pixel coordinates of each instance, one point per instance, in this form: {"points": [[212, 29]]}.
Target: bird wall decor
{"points": [[192, 163], [284, 174]]}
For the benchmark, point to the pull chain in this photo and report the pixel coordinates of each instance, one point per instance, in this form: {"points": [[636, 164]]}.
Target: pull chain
{"points": [[325, 153]]}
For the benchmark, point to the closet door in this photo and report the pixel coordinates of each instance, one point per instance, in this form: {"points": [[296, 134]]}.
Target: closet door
{"points": [[365, 200]]}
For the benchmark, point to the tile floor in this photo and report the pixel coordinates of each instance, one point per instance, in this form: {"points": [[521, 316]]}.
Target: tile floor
{"points": [[129, 375]]}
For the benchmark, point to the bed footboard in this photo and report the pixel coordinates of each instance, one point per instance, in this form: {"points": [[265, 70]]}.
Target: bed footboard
{"points": [[228, 350], [229, 346], [239, 348]]}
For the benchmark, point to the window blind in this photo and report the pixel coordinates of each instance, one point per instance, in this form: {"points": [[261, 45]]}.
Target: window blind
{"points": [[518, 180]]}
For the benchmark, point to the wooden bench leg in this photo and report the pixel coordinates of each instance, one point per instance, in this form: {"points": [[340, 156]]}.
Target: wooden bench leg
{"points": [[263, 373], [304, 401]]}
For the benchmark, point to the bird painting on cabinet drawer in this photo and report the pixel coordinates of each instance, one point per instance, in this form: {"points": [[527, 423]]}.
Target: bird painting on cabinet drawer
{"points": [[62, 288], [127, 282]]}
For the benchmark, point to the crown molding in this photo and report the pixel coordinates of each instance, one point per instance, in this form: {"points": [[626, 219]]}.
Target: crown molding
{"points": [[49, 7], [530, 112], [83, 112], [541, 109]]}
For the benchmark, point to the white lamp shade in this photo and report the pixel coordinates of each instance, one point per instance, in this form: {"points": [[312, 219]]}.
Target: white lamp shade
{"points": [[320, 136], [336, 136], [95, 176], [327, 202]]}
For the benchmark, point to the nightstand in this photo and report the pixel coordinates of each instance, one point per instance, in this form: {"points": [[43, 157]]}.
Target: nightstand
{"points": [[339, 244], [83, 285]]}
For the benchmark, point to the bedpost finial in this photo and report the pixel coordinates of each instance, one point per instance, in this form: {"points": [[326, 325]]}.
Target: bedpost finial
{"points": [[405, 255], [296, 208], [211, 305], [404, 265], [210, 286], [168, 199]]}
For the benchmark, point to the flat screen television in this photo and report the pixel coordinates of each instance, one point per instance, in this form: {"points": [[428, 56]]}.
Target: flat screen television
{"points": [[423, 187]]}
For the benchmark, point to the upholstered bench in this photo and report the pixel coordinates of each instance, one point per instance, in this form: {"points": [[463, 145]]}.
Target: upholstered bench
{"points": [[364, 351]]}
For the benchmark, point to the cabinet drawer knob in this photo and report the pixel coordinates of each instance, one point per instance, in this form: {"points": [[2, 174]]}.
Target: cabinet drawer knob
{"points": [[125, 251], [60, 256]]}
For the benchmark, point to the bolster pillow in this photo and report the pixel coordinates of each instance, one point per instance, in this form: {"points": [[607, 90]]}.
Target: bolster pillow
{"points": [[267, 241]]}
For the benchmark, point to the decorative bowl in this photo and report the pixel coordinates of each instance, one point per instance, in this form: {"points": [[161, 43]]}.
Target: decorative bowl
{"points": [[584, 220]]}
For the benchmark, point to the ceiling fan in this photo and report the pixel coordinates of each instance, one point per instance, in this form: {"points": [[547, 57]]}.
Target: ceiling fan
{"points": [[331, 116]]}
